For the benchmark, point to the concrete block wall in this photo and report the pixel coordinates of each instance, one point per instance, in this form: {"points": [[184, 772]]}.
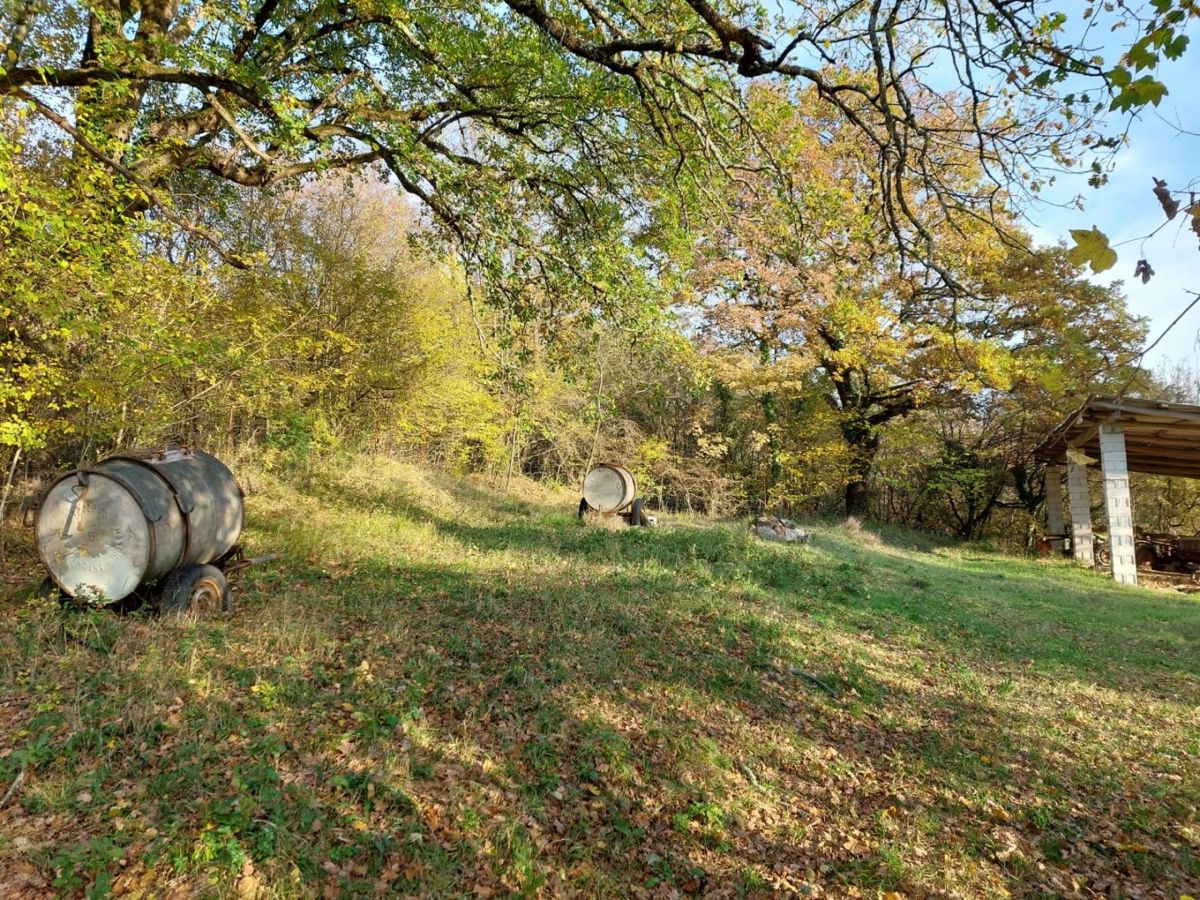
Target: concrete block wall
{"points": [[1118, 503], [1081, 512], [1055, 523]]}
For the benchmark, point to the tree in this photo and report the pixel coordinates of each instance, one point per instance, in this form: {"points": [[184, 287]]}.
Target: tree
{"points": [[377, 335], [801, 281], [342, 334], [86, 319], [526, 129]]}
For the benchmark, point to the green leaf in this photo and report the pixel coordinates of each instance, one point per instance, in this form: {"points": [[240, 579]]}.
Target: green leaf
{"points": [[1141, 57], [1147, 90], [1174, 49], [1119, 76], [1091, 247]]}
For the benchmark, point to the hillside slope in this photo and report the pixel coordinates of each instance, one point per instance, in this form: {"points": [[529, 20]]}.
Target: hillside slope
{"points": [[443, 691]]}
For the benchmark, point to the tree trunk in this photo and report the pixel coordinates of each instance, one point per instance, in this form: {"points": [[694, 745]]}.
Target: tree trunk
{"points": [[512, 456], [774, 469], [8, 486], [863, 441], [771, 416], [858, 498]]}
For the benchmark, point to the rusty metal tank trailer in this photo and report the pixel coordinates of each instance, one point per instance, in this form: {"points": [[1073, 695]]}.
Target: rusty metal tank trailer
{"points": [[159, 524], [611, 490]]}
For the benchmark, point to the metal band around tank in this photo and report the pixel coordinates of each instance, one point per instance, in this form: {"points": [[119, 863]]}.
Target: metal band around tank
{"points": [[151, 521], [173, 488]]}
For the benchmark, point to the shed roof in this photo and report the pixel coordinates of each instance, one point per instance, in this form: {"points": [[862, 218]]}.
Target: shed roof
{"points": [[1161, 438]]}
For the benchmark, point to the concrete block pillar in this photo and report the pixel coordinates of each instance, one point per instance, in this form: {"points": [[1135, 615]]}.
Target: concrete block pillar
{"points": [[1081, 512], [1055, 523], [1117, 503]]}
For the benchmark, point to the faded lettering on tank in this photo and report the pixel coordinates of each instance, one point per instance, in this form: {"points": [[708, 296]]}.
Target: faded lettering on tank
{"points": [[105, 558]]}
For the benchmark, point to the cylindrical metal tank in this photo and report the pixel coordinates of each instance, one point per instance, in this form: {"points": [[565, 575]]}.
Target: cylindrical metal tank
{"points": [[608, 488], [133, 519]]}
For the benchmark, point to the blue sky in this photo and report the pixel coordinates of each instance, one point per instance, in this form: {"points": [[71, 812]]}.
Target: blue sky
{"points": [[1126, 210]]}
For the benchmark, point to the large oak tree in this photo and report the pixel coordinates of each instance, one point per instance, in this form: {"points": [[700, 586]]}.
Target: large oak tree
{"points": [[802, 285], [528, 127]]}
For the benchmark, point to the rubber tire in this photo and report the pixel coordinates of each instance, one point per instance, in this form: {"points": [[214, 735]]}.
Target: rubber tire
{"points": [[637, 514], [199, 589]]}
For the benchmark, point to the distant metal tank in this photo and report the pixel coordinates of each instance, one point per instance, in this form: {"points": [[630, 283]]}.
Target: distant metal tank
{"points": [[134, 519], [609, 488]]}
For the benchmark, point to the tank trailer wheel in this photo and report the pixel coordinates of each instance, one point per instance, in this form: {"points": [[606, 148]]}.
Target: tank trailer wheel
{"points": [[637, 514], [199, 589]]}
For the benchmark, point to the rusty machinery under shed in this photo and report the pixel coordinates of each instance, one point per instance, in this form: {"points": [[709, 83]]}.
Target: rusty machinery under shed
{"points": [[1124, 435]]}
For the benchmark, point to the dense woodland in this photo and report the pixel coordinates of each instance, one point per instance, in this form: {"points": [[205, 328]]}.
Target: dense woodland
{"points": [[766, 273]]}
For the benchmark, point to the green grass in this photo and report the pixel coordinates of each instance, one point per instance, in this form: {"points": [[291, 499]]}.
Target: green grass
{"points": [[443, 691]]}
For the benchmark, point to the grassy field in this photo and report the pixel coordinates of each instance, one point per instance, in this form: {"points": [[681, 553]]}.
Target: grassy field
{"points": [[446, 692]]}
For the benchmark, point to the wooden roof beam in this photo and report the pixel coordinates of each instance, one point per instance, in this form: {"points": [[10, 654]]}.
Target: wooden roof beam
{"points": [[1092, 431], [1166, 412]]}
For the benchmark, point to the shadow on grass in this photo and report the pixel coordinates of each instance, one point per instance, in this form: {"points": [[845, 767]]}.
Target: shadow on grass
{"points": [[1000, 608], [506, 664], [619, 711]]}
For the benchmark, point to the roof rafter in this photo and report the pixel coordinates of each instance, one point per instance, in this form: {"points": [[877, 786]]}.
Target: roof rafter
{"points": [[1161, 438]]}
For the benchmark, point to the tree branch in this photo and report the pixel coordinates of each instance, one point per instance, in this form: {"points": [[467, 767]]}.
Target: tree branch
{"points": [[232, 259]]}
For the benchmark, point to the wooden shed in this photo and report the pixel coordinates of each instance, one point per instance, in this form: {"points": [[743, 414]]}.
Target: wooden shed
{"points": [[1123, 435]]}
